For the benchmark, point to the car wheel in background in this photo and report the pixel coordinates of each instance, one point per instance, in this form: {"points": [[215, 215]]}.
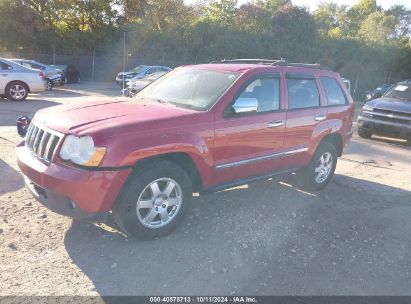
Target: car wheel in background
{"points": [[154, 200], [321, 168], [364, 134], [16, 91], [50, 85]]}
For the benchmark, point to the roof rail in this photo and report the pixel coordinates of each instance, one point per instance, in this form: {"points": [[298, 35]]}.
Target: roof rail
{"points": [[280, 62]]}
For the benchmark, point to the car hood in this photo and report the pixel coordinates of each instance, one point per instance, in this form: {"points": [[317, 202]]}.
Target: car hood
{"points": [[85, 116], [391, 104]]}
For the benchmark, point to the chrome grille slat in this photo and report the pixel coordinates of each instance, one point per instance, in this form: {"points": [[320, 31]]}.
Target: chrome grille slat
{"points": [[42, 142], [37, 141], [33, 138]]}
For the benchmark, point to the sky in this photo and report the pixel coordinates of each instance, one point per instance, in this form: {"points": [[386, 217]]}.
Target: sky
{"points": [[312, 4]]}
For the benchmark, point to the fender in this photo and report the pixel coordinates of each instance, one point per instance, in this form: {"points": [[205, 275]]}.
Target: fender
{"points": [[127, 151], [320, 131]]}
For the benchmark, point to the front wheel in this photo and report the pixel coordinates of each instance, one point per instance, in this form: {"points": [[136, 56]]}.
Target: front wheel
{"points": [[153, 201], [321, 168]]}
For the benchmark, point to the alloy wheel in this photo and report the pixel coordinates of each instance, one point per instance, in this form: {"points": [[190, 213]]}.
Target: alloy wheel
{"points": [[323, 168], [18, 92], [159, 203]]}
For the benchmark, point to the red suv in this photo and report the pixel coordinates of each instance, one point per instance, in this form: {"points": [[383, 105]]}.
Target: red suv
{"points": [[199, 128]]}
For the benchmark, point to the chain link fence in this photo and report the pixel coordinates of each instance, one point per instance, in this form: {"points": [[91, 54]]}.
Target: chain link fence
{"points": [[97, 68]]}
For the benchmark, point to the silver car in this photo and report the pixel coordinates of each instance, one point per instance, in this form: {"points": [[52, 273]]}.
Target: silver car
{"points": [[138, 73], [52, 75], [16, 81]]}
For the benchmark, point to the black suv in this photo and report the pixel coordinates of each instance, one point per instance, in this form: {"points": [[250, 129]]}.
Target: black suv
{"points": [[388, 115]]}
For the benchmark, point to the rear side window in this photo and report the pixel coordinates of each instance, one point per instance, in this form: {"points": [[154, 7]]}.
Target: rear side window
{"points": [[302, 93], [333, 92], [267, 93]]}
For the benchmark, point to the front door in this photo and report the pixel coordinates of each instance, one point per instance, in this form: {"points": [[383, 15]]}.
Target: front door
{"points": [[248, 143]]}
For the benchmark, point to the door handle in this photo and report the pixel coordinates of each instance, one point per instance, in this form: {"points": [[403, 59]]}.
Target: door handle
{"points": [[320, 117], [275, 124]]}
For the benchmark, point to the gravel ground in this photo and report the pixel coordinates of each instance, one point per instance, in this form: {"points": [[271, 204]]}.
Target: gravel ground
{"points": [[266, 238]]}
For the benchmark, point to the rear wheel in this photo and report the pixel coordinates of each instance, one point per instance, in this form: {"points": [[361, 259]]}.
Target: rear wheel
{"points": [[16, 91], [321, 168], [154, 200], [364, 134], [50, 85]]}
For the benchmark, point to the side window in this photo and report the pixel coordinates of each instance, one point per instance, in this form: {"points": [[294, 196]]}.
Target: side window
{"points": [[302, 93], [266, 91], [4, 66], [332, 89]]}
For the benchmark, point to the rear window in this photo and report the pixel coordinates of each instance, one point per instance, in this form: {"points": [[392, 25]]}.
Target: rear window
{"points": [[400, 91], [333, 92], [302, 93]]}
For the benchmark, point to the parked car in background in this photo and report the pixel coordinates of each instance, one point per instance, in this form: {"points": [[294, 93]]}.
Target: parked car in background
{"points": [[377, 92], [53, 76], [16, 81], [139, 72], [70, 72], [199, 128], [388, 115], [136, 85]]}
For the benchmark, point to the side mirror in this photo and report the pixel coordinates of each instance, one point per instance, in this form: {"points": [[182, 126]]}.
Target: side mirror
{"points": [[245, 105], [377, 95], [10, 68]]}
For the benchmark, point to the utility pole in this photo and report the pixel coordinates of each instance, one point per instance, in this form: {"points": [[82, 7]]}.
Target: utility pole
{"points": [[124, 58]]}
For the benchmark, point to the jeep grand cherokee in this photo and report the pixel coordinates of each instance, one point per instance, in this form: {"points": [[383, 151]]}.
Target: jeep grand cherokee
{"points": [[199, 128]]}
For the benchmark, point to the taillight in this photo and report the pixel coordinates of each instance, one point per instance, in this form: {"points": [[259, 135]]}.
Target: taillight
{"points": [[41, 75]]}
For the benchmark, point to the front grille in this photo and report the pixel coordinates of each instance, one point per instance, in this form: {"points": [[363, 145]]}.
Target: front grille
{"points": [[41, 142], [390, 116]]}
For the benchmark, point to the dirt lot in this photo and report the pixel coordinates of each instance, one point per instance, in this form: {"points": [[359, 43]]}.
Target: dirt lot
{"points": [[266, 238]]}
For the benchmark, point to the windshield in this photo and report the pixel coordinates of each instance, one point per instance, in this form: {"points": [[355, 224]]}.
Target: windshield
{"points": [[190, 88], [139, 69], [400, 91]]}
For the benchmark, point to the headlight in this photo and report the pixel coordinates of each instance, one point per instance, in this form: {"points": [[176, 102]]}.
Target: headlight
{"points": [[367, 108], [81, 151]]}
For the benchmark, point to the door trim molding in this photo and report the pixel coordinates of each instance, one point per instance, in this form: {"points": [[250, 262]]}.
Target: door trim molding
{"points": [[262, 158]]}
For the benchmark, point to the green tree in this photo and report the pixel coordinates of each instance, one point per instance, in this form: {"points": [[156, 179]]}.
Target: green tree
{"points": [[223, 11]]}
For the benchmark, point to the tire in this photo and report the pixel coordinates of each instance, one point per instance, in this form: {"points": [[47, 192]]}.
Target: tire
{"points": [[309, 178], [364, 134], [164, 211], [16, 91], [50, 85]]}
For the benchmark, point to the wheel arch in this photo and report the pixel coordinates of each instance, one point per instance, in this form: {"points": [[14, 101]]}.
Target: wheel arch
{"points": [[21, 81], [336, 140], [182, 159]]}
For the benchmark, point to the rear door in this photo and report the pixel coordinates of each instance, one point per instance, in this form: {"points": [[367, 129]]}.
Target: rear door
{"points": [[248, 144], [305, 111]]}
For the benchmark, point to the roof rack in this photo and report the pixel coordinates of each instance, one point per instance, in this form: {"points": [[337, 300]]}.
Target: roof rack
{"points": [[280, 62]]}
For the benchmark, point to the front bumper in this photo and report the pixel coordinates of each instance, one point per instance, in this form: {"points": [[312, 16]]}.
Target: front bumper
{"points": [[388, 128], [67, 190]]}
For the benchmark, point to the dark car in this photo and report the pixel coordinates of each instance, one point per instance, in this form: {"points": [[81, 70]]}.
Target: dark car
{"points": [[377, 92], [388, 115], [70, 73]]}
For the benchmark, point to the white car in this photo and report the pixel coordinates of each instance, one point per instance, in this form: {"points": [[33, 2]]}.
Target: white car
{"points": [[52, 75], [16, 81]]}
